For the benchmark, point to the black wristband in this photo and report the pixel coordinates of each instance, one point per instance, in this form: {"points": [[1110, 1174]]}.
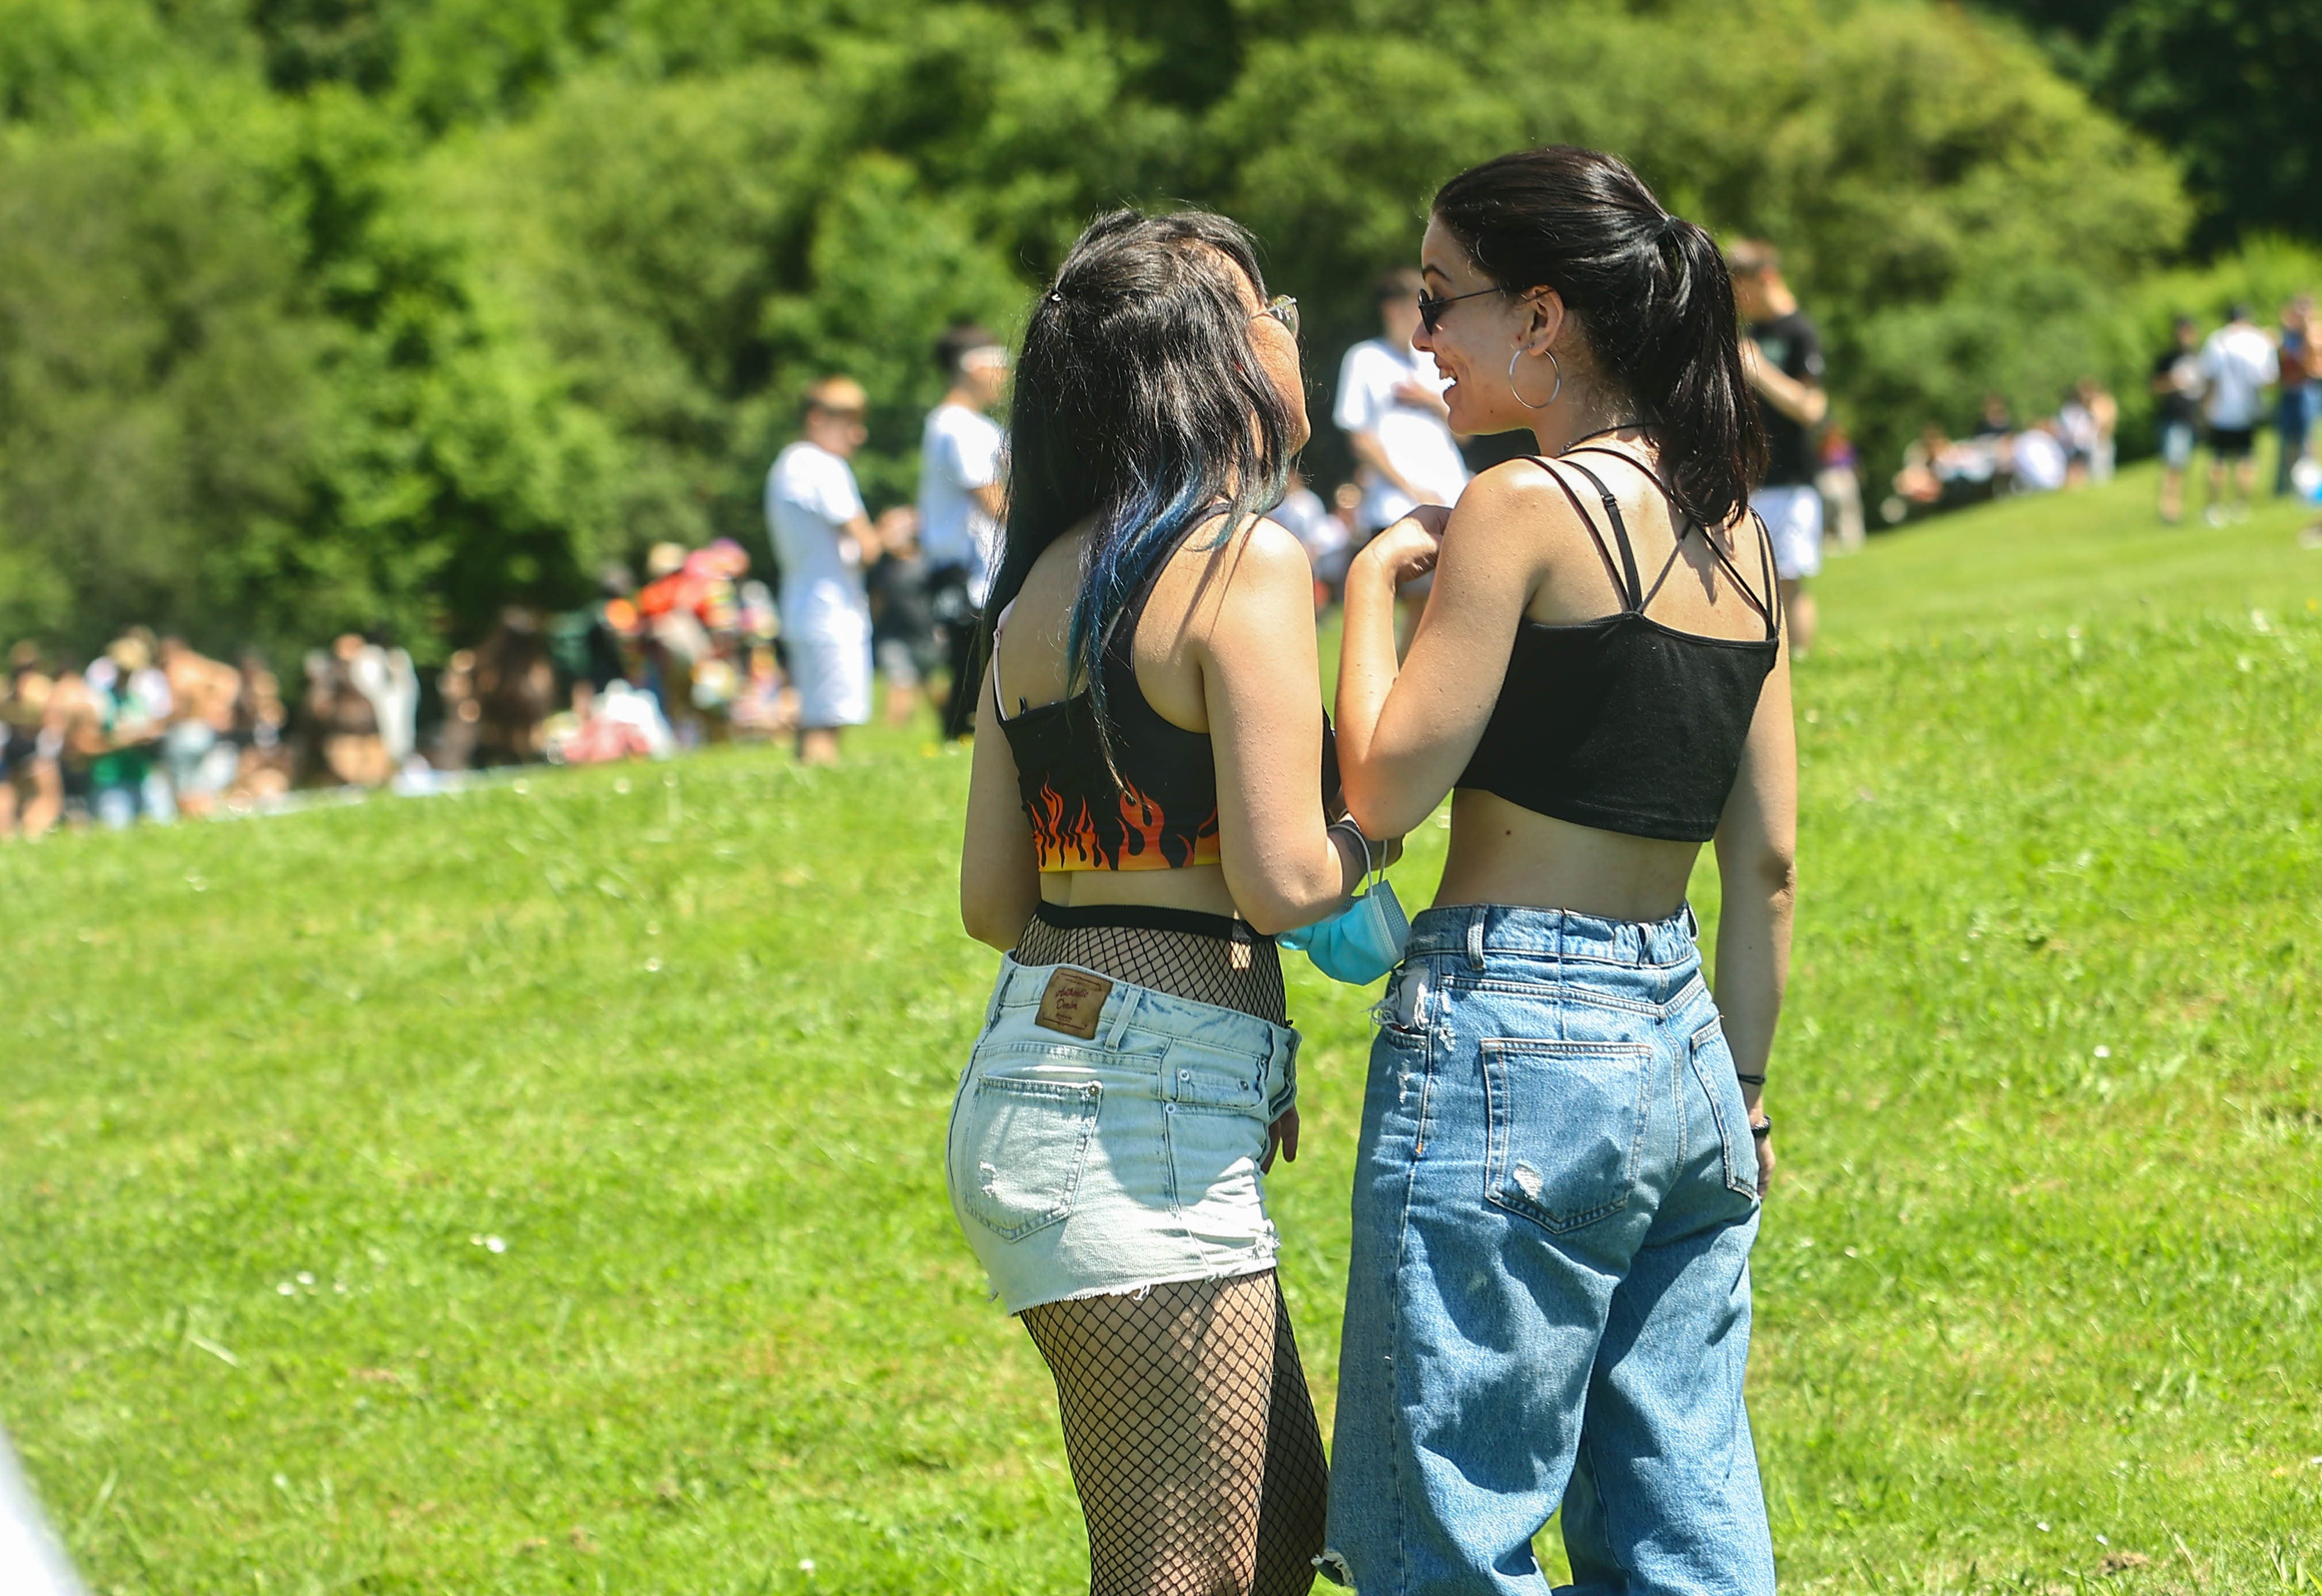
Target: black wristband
{"points": [[1750, 1081], [1763, 1128]]}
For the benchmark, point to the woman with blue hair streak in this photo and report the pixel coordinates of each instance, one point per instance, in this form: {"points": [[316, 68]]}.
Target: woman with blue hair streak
{"points": [[1148, 807]]}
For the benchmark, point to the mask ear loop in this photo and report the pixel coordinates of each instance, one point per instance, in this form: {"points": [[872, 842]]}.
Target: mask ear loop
{"points": [[1371, 867]]}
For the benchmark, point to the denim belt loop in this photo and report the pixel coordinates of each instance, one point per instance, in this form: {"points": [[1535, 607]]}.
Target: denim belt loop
{"points": [[1692, 923], [1130, 996], [1475, 937]]}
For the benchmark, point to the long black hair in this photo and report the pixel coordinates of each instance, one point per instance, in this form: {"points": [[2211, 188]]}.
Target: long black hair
{"points": [[1140, 404], [1652, 292]]}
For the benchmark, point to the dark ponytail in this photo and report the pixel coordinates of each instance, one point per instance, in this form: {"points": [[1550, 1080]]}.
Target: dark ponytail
{"points": [[1652, 295]]}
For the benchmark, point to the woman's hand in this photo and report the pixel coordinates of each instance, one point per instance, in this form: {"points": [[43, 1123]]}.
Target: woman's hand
{"points": [[1406, 551], [1765, 1163], [1282, 1134]]}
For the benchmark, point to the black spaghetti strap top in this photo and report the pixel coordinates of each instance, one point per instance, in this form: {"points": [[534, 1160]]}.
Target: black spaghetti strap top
{"points": [[1622, 723], [1162, 813]]}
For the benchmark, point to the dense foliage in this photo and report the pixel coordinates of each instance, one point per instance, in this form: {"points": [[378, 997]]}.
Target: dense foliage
{"points": [[324, 312], [2235, 86]]}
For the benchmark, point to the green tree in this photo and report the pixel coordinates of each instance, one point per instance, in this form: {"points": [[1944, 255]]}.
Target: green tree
{"points": [[2234, 87], [328, 313], [159, 383]]}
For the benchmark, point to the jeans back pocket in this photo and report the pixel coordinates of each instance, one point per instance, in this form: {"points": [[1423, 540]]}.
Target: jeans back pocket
{"points": [[1018, 1150], [1565, 1127]]}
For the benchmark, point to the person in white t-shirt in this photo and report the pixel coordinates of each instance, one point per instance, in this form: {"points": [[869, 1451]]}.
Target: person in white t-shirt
{"points": [[822, 541], [961, 498], [2237, 364], [2040, 463], [1391, 407]]}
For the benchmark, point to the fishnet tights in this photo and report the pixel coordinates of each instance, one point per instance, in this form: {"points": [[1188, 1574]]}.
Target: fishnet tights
{"points": [[1241, 972], [1192, 1440]]}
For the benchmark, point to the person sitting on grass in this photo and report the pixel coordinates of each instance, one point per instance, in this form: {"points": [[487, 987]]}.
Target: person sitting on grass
{"points": [[1147, 806]]}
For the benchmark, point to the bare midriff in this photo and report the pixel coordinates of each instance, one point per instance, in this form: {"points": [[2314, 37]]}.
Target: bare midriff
{"points": [[1198, 887], [1504, 854]]}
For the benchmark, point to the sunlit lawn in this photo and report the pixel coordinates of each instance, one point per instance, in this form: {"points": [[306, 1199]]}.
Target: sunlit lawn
{"points": [[540, 1190]]}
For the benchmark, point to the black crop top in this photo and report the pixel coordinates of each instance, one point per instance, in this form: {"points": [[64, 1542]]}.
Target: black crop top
{"points": [[1622, 723], [1163, 815]]}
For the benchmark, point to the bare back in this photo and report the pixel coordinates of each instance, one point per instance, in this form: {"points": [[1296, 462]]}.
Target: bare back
{"points": [[1224, 648], [1501, 852], [1034, 669]]}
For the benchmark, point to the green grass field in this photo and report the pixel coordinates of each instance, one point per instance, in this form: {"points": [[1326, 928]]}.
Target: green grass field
{"points": [[540, 1189]]}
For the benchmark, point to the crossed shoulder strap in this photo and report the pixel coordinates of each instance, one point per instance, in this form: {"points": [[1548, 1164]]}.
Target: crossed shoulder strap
{"points": [[1768, 607], [1624, 573]]}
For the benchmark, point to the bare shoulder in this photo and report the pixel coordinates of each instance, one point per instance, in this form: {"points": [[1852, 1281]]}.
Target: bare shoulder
{"points": [[1521, 486], [1516, 509], [1255, 560]]}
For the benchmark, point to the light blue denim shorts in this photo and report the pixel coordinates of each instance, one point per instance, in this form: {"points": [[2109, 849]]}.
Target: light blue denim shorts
{"points": [[1107, 1137]]}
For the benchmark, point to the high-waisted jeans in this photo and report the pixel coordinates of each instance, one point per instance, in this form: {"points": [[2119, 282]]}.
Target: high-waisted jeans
{"points": [[1548, 1299]]}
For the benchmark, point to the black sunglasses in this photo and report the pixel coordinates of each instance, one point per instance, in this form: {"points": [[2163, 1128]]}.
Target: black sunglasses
{"points": [[1431, 308]]}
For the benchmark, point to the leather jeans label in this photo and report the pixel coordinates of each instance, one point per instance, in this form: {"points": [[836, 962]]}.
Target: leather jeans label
{"points": [[1073, 1003]]}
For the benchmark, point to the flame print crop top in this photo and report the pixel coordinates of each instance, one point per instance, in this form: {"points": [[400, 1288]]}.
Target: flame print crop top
{"points": [[1163, 815]]}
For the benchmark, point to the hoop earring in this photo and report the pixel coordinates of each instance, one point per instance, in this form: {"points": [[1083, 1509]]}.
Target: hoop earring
{"points": [[1553, 392]]}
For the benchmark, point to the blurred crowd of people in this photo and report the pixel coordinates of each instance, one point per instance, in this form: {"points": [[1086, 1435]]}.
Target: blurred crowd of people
{"points": [[2210, 391], [149, 729], [152, 730], [2072, 447]]}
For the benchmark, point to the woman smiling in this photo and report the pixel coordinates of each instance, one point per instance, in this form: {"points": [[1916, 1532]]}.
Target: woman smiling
{"points": [[1562, 1147]]}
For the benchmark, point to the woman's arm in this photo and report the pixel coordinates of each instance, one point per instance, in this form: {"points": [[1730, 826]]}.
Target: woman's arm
{"points": [[998, 870], [1757, 866], [1404, 735], [1262, 689]]}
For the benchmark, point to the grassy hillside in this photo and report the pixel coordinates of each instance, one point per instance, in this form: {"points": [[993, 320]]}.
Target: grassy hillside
{"points": [[540, 1189]]}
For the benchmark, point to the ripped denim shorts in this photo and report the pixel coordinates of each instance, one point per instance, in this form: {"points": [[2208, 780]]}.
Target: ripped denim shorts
{"points": [[1107, 1137]]}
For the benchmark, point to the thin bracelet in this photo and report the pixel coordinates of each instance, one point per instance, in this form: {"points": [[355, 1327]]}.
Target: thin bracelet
{"points": [[1750, 1081]]}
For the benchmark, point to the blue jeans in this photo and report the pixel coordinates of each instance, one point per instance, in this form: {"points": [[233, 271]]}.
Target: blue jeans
{"points": [[1549, 1299], [2293, 419]]}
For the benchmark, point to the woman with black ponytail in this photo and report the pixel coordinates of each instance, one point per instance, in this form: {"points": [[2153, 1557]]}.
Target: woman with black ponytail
{"points": [[1563, 1146]]}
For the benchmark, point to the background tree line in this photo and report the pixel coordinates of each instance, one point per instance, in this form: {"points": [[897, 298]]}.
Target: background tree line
{"points": [[320, 313]]}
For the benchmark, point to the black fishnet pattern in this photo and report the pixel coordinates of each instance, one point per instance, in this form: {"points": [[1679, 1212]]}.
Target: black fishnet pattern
{"points": [[1192, 1438], [1241, 972]]}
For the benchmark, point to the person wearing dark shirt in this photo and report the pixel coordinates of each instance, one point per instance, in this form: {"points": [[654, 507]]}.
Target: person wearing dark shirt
{"points": [[905, 639], [2294, 402], [1781, 353], [2177, 413]]}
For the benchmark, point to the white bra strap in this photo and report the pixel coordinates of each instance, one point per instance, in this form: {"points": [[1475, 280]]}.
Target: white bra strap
{"points": [[999, 698]]}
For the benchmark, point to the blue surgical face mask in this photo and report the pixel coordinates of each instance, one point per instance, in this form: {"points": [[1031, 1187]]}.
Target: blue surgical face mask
{"points": [[1362, 941]]}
